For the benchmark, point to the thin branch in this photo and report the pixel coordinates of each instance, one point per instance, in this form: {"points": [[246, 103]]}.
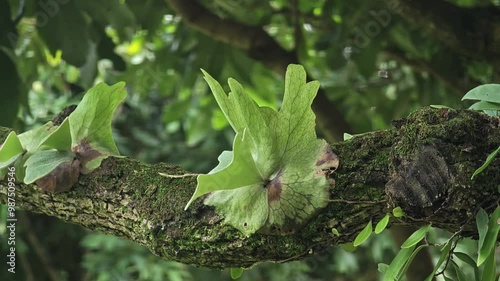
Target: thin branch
{"points": [[472, 32]]}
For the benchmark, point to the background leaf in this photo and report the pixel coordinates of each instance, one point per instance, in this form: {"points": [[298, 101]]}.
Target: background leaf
{"points": [[12, 92]]}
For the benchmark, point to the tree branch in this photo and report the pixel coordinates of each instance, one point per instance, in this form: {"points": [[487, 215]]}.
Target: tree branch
{"points": [[262, 47], [472, 32], [423, 164]]}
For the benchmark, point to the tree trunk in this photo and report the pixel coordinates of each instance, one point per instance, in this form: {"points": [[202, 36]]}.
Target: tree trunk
{"points": [[423, 164]]}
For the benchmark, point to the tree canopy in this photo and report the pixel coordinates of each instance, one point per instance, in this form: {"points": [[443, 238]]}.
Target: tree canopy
{"points": [[391, 159]]}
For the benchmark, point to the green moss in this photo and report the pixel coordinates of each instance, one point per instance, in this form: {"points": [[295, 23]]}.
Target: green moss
{"points": [[4, 132]]}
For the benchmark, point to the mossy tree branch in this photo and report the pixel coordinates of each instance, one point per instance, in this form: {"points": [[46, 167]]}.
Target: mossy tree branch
{"points": [[423, 164]]}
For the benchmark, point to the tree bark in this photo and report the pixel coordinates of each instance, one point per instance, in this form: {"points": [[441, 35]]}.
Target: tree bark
{"points": [[423, 164]]}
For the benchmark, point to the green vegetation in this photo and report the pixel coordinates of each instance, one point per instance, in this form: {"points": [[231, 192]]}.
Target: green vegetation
{"points": [[370, 63]]}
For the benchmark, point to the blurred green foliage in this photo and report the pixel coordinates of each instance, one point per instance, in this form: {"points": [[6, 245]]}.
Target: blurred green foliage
{"points": [[373, 68]]}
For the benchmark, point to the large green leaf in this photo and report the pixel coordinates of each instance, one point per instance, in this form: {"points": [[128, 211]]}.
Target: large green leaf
{"points": [[277, 174], [487, 92], [90, 124], [91, 120]]}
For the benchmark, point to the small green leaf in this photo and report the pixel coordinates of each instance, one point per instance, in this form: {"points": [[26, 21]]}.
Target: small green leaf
{"points": [[486, 163], [10, 150], [176, 110], [382, 267], [489, 271], [444, 255], [490, 238], [487, 92], [416, 237], [335, 232], [439, 106], [363, 235], [398, 212], [348, 247], [236, 272], [44, 162], [347, 136], [382, 224], [398, 263], [60, 138]]}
